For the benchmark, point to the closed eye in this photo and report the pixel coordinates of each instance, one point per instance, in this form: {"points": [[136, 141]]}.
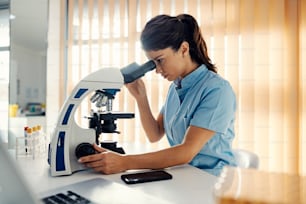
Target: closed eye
{"points": [[159, 61]]}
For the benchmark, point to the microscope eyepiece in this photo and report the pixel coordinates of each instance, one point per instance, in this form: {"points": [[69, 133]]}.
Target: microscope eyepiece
{"points": [[134, 71]]}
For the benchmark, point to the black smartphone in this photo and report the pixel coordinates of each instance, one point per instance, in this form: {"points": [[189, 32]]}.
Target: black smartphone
{"points": [[148, 176]]}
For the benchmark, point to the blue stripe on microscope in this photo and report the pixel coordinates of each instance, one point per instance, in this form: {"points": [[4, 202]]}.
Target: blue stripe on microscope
{"points": [[60, 157], [67, 114], [80, 93]]}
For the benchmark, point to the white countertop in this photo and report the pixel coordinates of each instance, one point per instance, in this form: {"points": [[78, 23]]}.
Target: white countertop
{"points": [[189, 184]]}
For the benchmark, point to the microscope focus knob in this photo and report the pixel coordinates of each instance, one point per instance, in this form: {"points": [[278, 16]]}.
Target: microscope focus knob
{"points": [[84, 149]]}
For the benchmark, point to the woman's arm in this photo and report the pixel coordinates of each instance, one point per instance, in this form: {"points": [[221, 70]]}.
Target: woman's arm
{"points": [[153, 128], [109, 162], [195, 139]]}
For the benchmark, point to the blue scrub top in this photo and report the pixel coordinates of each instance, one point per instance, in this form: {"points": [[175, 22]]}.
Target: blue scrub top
{"points": [[203, 99]]}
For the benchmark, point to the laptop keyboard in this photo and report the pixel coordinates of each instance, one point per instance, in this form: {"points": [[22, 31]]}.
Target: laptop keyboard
{"points": [[68, 198]]}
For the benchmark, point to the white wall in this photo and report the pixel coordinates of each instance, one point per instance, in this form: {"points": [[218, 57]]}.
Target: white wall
{"points": [[28, 51], [53, 65], [28, 76]]}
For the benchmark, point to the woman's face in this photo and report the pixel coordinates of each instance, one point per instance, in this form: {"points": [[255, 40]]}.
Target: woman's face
{"points": [[170, 64]]}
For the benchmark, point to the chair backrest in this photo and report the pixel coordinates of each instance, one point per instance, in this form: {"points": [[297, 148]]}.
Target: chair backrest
{"points": [[246, 159]]}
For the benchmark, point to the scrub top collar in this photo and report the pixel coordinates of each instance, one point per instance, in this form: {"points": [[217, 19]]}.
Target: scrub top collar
{"points": [[183, 85]]}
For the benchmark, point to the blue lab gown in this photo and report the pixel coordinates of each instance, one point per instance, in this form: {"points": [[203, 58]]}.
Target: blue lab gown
{"points": [[202, 99]]}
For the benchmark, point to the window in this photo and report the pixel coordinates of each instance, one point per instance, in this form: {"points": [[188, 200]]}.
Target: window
{"points": [[4, 70], [256, 45]]}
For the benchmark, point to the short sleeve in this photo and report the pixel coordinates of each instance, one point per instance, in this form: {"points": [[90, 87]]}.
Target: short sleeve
{"points": [[216, 109]]}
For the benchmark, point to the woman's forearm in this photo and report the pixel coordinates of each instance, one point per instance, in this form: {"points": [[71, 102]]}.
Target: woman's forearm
{"points": [[183, 153], [160, 159], [150, 125]]}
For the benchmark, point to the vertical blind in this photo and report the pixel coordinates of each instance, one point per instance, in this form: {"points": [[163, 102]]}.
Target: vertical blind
{"points": [[257, 45]]}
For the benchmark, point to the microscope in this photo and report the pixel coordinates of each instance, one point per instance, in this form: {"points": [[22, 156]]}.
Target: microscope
{"points": [[69, 141]]}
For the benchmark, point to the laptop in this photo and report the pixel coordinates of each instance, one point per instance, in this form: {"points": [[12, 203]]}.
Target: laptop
{"points": [[15, 189]]}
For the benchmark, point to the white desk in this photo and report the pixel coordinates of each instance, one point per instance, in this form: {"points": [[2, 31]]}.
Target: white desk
{"points": [[189, 184]]}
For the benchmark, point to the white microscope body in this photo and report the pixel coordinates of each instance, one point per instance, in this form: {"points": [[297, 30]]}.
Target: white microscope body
{"points": [[68, 134]]}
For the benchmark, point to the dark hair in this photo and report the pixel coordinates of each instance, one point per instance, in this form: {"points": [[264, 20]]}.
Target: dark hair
{"points": [[165, 31]]}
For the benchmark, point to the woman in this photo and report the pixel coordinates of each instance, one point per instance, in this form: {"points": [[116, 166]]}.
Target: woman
{"points": [[199, 112]]}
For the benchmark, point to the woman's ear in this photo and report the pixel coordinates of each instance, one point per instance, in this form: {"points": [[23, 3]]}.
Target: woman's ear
{"points": [[185, 48]]}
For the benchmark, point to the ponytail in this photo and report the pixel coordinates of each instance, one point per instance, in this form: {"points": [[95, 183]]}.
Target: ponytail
{"points": [[165, 31]]}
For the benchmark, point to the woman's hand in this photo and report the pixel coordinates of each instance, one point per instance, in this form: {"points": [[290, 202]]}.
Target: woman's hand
{"points": [[137, 88], [106, 162]]}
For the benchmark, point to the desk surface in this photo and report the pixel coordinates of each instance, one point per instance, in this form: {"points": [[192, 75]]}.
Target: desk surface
{"points": [[250, 186], [189, 184]]}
